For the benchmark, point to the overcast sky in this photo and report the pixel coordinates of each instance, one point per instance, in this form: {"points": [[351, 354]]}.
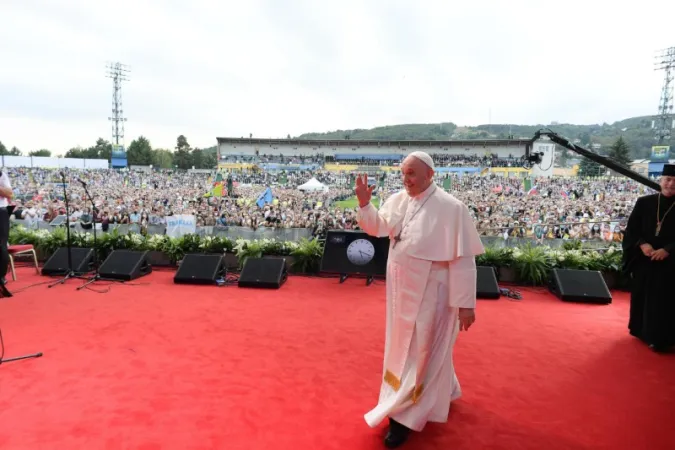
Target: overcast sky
{"points": [[229, 68]]}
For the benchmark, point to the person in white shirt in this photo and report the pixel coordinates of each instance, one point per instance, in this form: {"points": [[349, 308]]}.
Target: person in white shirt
{"points": [[30, 214], [6, 195]]}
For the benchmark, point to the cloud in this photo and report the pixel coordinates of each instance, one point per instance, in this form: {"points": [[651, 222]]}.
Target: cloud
{"points": [[207, 69]]}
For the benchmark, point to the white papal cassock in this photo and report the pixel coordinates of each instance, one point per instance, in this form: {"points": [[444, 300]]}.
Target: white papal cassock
{"points": [[431, 273]]}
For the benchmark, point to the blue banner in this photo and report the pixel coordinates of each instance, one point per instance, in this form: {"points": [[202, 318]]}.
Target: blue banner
{"points": [[458, 169], [375, 157], [290, 167]]}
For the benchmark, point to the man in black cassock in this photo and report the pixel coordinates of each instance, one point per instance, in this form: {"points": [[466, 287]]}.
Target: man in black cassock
{"points": [[649, 256]]}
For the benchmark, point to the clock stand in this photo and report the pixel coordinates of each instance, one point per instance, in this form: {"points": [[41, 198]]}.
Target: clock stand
{"points": [[369, 278]]}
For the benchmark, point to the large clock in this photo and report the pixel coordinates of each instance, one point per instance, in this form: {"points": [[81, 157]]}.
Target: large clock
{"points": [[360, 252]]}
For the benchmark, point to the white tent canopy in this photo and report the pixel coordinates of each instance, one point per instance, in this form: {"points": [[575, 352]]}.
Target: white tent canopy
{"points": [[313, 185]]}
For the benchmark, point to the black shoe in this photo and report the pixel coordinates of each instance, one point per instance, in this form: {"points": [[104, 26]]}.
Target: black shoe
{"points": [[397, 434], [4, 292], [660, 348]]}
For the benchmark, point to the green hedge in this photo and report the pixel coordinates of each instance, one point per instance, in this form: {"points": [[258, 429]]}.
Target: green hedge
{"points": [[531, 264]]}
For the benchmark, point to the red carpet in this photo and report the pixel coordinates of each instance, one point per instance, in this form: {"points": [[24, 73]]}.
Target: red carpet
{"points": [[153, 365]]}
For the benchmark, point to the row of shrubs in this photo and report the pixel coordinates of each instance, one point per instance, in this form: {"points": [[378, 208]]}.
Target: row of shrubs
{"points": [[529, 264]]}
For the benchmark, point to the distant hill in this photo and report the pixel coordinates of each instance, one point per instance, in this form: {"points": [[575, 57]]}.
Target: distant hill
{"points": [[636, 131]]}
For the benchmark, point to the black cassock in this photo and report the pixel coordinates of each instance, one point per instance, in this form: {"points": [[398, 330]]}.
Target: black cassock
{"points": [[652, 308]]}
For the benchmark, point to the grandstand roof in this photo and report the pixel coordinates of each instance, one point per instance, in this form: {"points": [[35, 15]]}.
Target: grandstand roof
{"points": [[352, 142]]}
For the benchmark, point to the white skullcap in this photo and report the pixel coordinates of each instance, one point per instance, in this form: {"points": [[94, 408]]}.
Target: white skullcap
{"points": [[424, 157]]}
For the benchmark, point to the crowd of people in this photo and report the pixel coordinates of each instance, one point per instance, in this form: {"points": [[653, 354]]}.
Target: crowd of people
{"points": [[562, 208], [440, 160]]}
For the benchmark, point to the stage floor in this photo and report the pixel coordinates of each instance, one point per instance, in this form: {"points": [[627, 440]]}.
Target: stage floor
{"points": [[153, 365]]}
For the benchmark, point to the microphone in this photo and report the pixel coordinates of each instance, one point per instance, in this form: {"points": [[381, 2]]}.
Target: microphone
{"points": [[81, 181]]}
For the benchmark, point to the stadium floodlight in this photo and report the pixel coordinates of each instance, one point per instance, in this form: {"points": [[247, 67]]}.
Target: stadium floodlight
{"points": [[118, 72], [665, 61]]}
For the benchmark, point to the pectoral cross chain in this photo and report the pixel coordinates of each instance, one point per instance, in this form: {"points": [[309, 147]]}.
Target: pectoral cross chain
{"points": [[659, 219], [397, 239]]}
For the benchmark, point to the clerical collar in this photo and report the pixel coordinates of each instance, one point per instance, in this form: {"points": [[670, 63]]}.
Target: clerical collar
{"points": [[667, 199], [427, 192]]}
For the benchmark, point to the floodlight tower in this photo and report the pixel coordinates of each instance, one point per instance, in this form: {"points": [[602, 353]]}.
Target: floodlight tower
{"points": [[118, 72], [663, 123]]}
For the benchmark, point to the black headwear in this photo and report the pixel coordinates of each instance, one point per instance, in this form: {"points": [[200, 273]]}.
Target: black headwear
{"points": [[668, 170]]}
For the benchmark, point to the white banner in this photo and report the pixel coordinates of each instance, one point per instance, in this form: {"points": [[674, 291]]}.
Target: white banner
{"points": [[177, 226]]}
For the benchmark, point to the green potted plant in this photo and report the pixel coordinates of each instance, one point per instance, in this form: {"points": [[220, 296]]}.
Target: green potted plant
{"points": [[532, 265], [307, 256]]}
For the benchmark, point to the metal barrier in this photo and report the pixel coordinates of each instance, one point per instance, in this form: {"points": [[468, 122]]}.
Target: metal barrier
{"points": [[517, 241], [280, 234], [295, 234], [500, 242]]}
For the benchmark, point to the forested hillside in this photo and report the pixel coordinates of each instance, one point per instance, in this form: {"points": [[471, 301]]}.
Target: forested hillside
{"points": [[636, 131]]}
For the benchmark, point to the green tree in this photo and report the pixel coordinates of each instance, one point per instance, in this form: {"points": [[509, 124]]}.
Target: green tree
{"points": [[162, 158], [13, 152], [182, 143], [197, 158], [619, 152], [589, 168], [210, 161], [75, 152], [43, 152], [139, 152], [102, 149], [183, 155]]}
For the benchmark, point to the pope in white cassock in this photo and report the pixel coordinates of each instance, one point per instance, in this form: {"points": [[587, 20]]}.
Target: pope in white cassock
{"points": [[431, 295]]}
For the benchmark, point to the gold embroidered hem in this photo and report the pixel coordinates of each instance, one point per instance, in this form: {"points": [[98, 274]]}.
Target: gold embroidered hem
{"points": [[417, 393], [392, 380]]}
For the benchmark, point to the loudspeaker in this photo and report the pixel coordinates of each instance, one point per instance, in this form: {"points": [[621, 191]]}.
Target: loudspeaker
{"points": [[263, 273], [57, 264], [125, 265], [586, 286], [200, 269], [486, 283]]}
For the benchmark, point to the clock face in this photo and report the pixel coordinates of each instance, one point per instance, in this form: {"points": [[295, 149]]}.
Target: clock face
{"points": [[360, 252]]}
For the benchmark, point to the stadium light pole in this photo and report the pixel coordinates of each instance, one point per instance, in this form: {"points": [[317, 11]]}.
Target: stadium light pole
{"points": [[663, 123], [118, 72]]}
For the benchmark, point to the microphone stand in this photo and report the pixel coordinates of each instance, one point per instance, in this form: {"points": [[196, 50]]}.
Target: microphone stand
{"points": [[97, 274], [71, 273], [16, 358]]}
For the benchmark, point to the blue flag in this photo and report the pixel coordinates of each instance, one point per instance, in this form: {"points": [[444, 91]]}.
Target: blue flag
{"points": [[265, 197]]}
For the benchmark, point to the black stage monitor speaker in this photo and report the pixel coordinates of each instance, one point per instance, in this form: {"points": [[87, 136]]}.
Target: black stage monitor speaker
{"points": [[57, 264], [267, 273], [200, 269], [586, 286], [355, 252], [486, 283], [125, 265]]}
